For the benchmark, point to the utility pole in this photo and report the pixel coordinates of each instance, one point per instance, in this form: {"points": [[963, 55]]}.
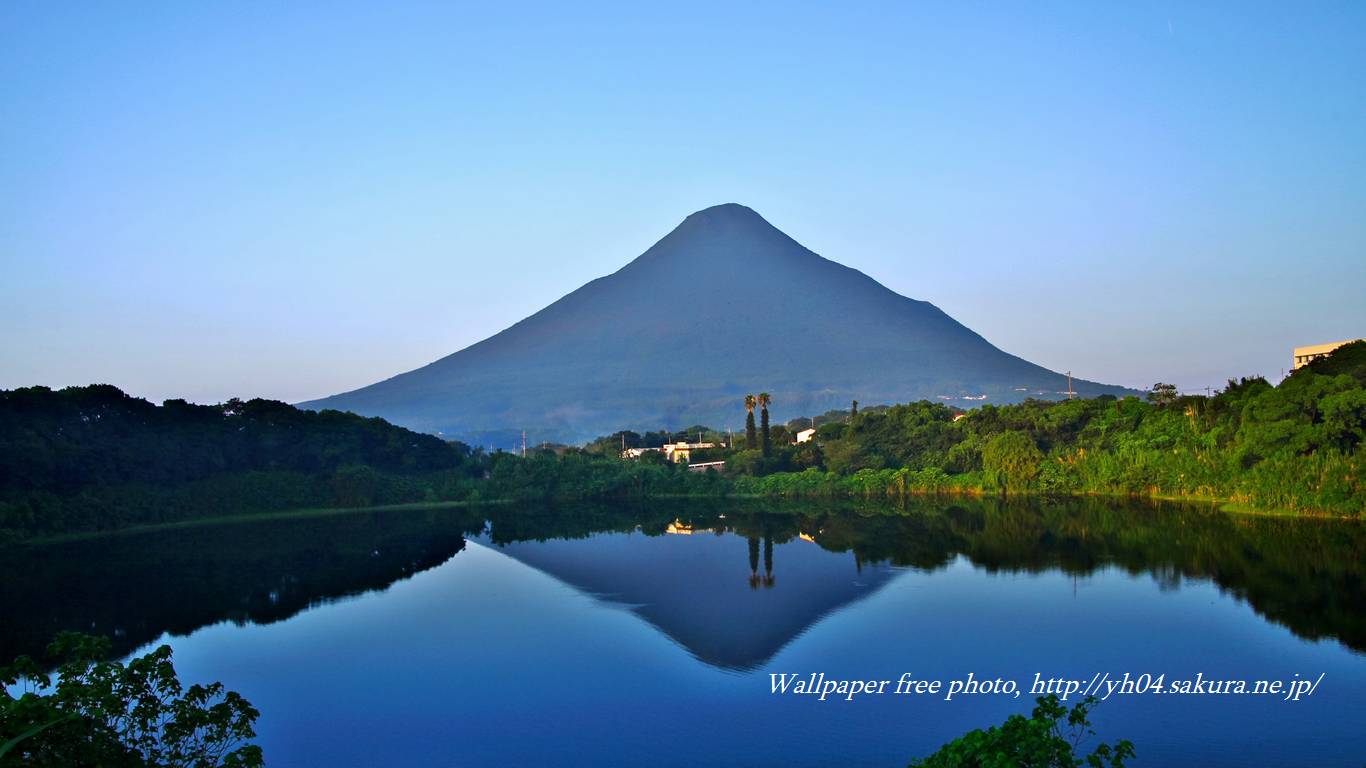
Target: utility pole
{"points": [[1069, 385], [524, 443]]}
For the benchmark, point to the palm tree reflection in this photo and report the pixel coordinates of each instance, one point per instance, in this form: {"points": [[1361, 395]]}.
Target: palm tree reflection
{"points": [[753, 562], [768, 562], [754, 578]]}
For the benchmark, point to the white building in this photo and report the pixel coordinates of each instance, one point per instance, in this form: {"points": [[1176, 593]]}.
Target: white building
{"points": [[1314, 351], [806, 435], [681, 451]]}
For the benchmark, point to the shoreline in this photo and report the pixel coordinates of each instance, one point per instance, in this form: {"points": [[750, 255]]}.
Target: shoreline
{"points": [[284, 514], [1213, 504]]}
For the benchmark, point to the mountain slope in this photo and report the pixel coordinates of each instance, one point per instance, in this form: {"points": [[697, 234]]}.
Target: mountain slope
{"points": [[725, 304]]}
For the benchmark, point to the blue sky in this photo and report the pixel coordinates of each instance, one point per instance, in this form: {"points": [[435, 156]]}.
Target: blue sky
{"points": [[292, 200]]}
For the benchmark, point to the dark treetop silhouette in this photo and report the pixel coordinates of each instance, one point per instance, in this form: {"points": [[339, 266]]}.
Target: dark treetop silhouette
{"points": [[724, 304]]}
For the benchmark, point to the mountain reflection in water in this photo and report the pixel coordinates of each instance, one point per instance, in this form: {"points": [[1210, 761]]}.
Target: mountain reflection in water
{"points": [[745, 580], [708, 591]]}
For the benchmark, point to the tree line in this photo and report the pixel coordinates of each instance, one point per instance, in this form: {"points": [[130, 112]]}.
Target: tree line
{"points": [[94, 457], [1295, 446]]}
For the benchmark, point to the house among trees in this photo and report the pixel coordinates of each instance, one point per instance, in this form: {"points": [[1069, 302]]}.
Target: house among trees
{"points": [[806, 435], [681, 451]]}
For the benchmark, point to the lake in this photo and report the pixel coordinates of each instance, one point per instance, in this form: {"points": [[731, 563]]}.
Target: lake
{"points": [[646, 634]]}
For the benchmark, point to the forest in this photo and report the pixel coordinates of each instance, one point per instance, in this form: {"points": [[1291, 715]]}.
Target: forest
{"points": [[86, 458]]}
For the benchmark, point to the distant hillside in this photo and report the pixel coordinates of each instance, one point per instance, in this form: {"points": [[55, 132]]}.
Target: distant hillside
{"points": [[724, 305], [86, 458]]}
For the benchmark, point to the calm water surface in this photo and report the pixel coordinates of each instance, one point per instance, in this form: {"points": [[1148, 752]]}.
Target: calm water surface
{"points": [[646, 635]]}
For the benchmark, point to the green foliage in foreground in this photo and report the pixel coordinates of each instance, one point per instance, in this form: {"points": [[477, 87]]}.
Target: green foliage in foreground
{"points": [[116, 715], [573, 475], [1048, 738]]}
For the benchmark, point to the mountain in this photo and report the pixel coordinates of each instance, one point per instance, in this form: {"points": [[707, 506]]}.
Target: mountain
{"points": [[724, 305]]}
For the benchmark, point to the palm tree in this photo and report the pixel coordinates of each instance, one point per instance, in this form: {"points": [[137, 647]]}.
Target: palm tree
{"points": [[749, 421], [764, 401]]}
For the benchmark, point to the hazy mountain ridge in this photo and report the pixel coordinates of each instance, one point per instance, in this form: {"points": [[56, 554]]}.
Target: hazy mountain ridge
{"points": [[723, 305]]}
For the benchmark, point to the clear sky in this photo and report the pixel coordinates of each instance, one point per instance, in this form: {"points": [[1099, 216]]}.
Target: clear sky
{"points": [[294, 199]]}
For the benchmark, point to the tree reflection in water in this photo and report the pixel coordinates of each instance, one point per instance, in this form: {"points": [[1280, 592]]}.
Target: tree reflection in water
{"points": [[1306, 574]]}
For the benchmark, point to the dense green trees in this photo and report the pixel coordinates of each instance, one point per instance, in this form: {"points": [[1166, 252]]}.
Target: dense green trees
{"points": [[104, 713], [1010, 461], [97, 435], [577, 474], [93, 457], [1296, 446]]}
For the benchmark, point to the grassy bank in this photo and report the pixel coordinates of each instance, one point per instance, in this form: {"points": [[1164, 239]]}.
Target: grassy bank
{"points": [[1339, 498]]}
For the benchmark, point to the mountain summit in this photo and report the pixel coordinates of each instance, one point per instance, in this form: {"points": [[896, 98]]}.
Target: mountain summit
{"points": [[724, 305]]}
